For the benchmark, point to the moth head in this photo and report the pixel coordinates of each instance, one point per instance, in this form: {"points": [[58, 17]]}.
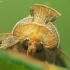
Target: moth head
{"points": [[33, 45]]}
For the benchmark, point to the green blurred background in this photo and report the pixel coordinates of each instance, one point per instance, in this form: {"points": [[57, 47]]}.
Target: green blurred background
{"points": [[12, 11]]}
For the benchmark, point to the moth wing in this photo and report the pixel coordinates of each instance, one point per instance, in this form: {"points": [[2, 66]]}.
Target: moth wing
{"points": [[54, 56], [8, 42], [50, 55]]}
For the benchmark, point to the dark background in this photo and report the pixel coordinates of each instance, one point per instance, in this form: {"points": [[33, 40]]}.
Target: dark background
{"points": [[12, 11]]}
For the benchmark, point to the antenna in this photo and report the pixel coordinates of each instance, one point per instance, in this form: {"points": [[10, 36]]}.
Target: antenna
{"points": [[5, 34], [63, 54]]}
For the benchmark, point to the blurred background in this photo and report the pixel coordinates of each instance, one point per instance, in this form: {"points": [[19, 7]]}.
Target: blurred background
{"points": [[12, 11]]}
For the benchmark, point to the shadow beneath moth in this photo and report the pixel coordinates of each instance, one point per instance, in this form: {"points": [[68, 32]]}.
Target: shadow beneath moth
{"points": [[35, 35]]}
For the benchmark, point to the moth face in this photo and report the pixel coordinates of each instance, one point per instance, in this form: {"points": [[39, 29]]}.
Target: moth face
{"points": [[32, 45]]}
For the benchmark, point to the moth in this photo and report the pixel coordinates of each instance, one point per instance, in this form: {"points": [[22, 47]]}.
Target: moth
{"points": [[35, 35]]}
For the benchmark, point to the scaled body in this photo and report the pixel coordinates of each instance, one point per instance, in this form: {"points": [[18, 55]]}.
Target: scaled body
{"points": [[37, 35]]}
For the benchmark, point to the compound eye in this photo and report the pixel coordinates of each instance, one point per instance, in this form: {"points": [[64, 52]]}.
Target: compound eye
{"points": [[39, 48], [25, 44]]}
